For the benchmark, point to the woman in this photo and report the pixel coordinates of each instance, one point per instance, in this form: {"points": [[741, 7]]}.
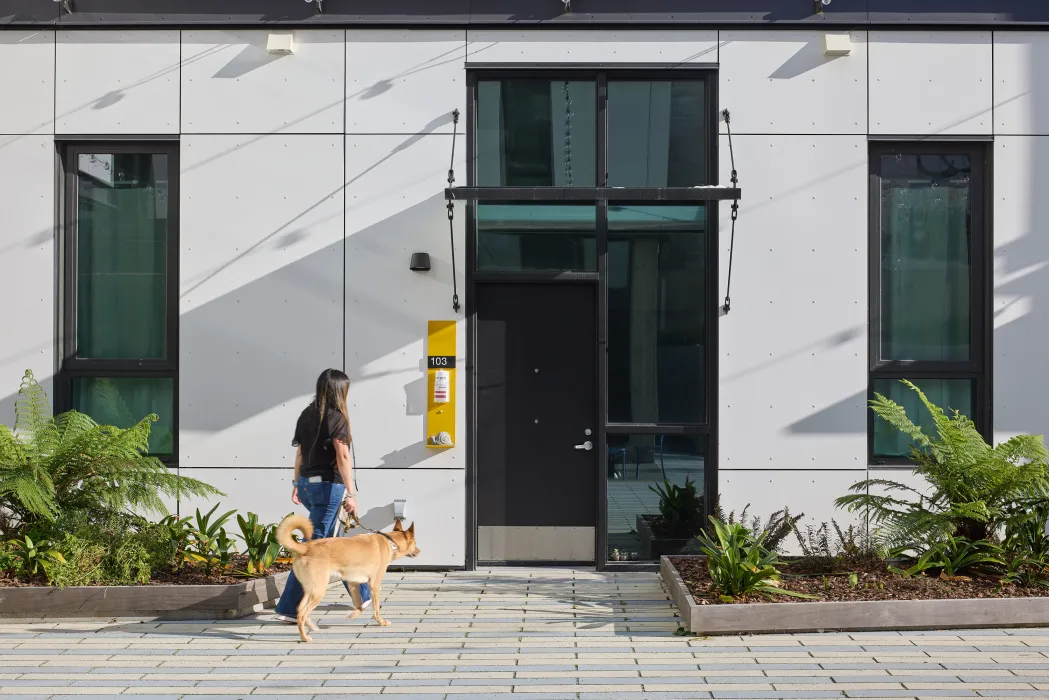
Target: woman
{"points": [[323, 473]]}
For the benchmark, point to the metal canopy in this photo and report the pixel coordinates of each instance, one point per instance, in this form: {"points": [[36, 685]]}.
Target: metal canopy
{"points": [[589, 194], [515, 14]]}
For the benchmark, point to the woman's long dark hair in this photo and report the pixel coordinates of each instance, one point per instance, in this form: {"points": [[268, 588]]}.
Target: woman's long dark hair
{"points": [[332, 388]]}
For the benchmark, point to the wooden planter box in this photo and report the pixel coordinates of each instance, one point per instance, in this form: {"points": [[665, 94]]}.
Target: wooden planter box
{"points": [[653, 547], [850, 616], [162, 602]]}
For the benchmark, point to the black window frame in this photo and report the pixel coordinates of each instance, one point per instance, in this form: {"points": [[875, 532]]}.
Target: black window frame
{"points": [[601, 196], [71, 367], [981, 289]]}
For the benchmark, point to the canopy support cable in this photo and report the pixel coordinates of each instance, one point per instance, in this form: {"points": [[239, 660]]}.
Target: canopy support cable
{"points": [[451, 209], [726, 307]]}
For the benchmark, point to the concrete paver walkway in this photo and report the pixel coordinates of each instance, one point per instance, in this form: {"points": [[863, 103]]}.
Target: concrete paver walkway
{"points": [[546, 633]]}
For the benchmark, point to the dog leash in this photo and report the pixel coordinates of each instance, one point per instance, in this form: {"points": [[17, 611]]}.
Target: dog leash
{"points": [[351, 521]]}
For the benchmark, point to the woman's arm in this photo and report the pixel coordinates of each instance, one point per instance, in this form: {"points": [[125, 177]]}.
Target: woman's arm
{"points": [[344, 462], [295, 481]]}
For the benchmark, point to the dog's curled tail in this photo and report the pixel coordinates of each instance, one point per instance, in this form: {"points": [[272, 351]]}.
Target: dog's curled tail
{"points": [[289, 525]]}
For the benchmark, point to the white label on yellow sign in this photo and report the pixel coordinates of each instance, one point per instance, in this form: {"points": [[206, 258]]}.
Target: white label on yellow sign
{"points": [[441, 383]]}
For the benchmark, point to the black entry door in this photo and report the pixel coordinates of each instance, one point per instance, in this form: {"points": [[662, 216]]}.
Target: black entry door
{"points": [[536, 402]]}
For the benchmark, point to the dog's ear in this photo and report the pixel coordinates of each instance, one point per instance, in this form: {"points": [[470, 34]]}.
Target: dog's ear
{"points": [[411, 528], [397, 527]]}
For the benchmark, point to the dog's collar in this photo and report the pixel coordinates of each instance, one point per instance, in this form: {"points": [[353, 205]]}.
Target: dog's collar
{"points": [[393, 545]]}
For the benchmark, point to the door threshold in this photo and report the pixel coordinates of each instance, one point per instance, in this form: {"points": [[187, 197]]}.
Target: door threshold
{"points": [[546, 564]]}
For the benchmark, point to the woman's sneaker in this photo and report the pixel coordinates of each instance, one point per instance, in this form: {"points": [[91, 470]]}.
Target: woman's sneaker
{"points": [[366, 604], [278, 617]]}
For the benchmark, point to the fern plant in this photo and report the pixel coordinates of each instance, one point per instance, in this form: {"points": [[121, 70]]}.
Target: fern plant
{"points": [[973, 487], [773, 530], [69, 462]]}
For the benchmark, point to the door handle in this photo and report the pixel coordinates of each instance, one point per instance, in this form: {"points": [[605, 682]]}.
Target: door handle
{"points": [[585, 446]]}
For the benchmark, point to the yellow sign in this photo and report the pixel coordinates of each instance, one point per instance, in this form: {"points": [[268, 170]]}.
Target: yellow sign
{"points": [[440, 384]]}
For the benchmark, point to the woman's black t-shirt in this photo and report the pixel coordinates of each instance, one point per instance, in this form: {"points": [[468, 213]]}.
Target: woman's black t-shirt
{"points": [[318, 451]]}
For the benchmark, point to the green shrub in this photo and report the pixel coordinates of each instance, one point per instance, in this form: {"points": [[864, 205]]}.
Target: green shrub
{"points": [[50, 465], [210, 545], [9, 562], [952, 556], [127, 563], [82, 565], [34, 557], [680, 508], [1025, 571], [161, 551], [739, 564], [179, 534], [773, 531], [260, 544], [974, 488], [1025, 529]]}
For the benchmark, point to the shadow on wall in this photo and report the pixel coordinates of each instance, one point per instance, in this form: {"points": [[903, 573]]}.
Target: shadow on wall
{"points": [[808, 57], [378, 322], [251, 57], [377, 518], [260, 373], [1020, 323], [1021, 288]]}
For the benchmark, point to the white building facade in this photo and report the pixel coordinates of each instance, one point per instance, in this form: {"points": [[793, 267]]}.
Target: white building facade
{"points": [[197, 222]]}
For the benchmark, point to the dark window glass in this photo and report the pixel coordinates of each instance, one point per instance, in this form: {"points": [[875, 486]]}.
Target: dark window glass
{"points": [[657, 278], [926, 256], [124, 401], [948, 394], [635, 463], [536, 133], [121, 234], [118, 271], [513, 237], [657, 133]]}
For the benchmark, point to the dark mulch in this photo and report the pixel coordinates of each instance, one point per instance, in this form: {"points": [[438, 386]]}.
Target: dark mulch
{"points": [[193, 575], [875, 582], [190, 575]]}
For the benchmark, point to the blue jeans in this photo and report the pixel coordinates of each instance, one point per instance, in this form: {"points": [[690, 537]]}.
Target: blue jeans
{"points": [[323, 500]]}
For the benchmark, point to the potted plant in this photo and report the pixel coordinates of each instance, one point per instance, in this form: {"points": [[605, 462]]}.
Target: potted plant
{"points": [[679, 519]]}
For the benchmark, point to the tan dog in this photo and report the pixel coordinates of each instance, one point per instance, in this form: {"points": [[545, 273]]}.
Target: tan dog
{"points": [[360, 559]]}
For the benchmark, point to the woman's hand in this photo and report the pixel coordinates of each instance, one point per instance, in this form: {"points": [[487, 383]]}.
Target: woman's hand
{"points": [[295, 496], [349, 502]]}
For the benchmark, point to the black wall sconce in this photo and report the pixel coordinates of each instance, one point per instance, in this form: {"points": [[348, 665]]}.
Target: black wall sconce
{"points": [[420, 262]]}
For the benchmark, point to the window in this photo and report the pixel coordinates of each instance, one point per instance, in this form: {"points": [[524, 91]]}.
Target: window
{"points": [[657, 305], [120, 282], [655, 133], [517, 237], [637, 464], [929, 284], [536, 133]]}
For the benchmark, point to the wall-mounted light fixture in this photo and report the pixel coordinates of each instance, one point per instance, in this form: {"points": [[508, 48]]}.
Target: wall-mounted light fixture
{"points": [[280, 43], [420, 262], [398, 509], [320, 5], [66, 5], [837, 44]]}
